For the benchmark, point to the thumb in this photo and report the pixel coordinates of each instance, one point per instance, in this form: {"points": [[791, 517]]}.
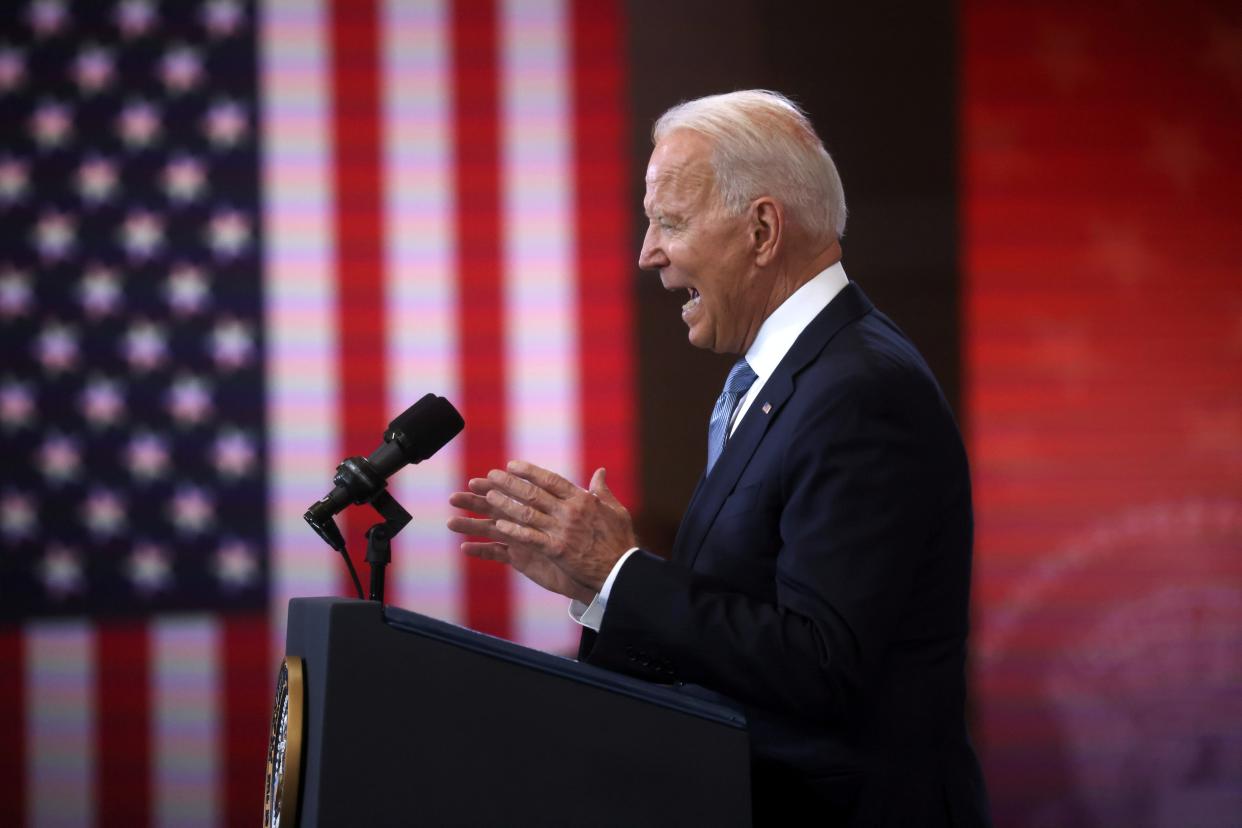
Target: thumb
{"points": [[599, 488]]}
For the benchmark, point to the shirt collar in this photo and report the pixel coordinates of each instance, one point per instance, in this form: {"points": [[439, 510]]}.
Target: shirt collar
{"points": [[782, 327]]}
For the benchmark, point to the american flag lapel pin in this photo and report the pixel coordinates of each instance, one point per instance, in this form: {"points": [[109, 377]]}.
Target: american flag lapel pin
{"points": [[767, 408]]}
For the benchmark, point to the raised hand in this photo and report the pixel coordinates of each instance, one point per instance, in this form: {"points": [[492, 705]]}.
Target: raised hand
{"points": [[583, 532], [525, 559]]}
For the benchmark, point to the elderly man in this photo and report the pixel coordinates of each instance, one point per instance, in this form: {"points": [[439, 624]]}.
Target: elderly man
{"points": [[821, 573]]}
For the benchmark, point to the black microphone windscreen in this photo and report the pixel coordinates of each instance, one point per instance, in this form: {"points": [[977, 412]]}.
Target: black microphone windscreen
{"points": [[425, 427]]}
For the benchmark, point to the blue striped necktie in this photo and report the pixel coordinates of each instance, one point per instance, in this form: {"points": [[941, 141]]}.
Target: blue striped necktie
{"points": [[739, 381]]}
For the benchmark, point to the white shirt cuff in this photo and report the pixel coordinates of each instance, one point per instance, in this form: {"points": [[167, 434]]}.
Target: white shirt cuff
{"points": [[591, 615]]}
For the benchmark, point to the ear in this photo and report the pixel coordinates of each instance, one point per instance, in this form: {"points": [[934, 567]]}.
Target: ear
{"points": [[767, 226]]}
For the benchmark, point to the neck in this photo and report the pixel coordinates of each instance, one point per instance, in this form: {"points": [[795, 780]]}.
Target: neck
{"points": [[796, 273]]}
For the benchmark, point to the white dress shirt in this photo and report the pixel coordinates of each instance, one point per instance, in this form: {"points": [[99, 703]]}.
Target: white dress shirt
{"points": [[776, 336]]}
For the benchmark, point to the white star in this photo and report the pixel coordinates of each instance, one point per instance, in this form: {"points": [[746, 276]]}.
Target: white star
{"points": [[93, 69], [142, 234], [99, 291], [14, 180], [236, 564], [186, 290], [12, 67], [102, 402], [228, 233], [135, 17], [232, 344], [147, 456], [148, 567], [61, 571], [17, 406], [18, 516], [225, 123], [145, 345], [51, 124], [221, 17], [59, 459], [46, 17], [192, 510], [103, 512], [181, 69], [184, 179], [233, 453], [16, 295], [56, 347], [97, 180], [189, 400], [139, 124], [54, 235]]}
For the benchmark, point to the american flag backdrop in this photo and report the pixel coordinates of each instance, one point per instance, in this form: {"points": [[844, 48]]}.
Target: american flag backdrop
{"points": [[237, 240]]}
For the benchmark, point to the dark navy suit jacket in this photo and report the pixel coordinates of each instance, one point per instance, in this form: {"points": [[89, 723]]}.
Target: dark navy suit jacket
{"points": [[821, 578]]}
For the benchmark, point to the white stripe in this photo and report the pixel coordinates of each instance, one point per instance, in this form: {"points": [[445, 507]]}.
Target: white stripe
{"points": [[420, 292], [60, 723], [299, 297], [185, 709], [540, 293]]}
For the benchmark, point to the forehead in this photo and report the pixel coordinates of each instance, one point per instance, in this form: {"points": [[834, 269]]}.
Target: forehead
{"points": [[680, 168]]}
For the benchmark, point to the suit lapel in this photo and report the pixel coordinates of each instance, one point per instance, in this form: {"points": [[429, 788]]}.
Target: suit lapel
{"points": [[850, 304], [737, 453]]}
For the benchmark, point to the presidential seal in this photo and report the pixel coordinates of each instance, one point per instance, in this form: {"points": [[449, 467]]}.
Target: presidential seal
{"points": [[284, 748], [1112, 671]]}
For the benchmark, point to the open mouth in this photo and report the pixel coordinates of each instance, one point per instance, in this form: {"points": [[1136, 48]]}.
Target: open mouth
{"points": [[692, 303]]}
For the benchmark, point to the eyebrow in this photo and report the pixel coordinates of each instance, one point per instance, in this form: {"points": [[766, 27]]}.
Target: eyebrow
{"points": [[668, 214]]}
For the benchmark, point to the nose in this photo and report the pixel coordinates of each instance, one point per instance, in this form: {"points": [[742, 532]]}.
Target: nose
{"points": [[652, 257]]}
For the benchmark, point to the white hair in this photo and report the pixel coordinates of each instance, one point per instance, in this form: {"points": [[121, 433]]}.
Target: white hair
{"points": [[763, 144]]}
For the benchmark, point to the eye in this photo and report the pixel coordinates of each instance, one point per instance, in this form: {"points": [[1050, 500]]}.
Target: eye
{"points": [[665, 223]]}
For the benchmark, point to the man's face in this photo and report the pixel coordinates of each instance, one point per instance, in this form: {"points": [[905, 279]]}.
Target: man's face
{"points": [[698, 248]]}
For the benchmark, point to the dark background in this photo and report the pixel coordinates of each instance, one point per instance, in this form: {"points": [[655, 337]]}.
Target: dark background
{"points": [[879, 82]]}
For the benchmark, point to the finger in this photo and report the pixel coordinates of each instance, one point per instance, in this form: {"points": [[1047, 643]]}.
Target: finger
{"points": [[479, 504], [599, 488], [516, 487], [487, 551], [516, 533], [474, 527], [480, 485], [547, 480], [522, 491], [519, 512], [471, 503]]}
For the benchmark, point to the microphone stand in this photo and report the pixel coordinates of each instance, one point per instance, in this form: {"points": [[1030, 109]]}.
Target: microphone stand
{"points": [[379, 539]]}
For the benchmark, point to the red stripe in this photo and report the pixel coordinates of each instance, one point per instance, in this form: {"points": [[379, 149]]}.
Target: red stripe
{"points": [[356, 96], [248, 684], [480, 307], [604, 257], [122, 724], [13, 725]]}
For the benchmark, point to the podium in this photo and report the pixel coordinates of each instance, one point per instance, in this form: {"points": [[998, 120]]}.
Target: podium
{"points": [[407, 720]]}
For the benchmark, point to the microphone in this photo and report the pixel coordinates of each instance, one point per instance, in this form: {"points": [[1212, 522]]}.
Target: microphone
{"points": [[412, 437]]}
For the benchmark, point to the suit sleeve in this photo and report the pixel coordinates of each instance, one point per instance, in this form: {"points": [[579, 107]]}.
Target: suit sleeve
{"points": [[858, 480]]}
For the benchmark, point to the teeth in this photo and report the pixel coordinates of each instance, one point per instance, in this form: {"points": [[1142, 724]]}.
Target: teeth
{"points": [[691, 304]]}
